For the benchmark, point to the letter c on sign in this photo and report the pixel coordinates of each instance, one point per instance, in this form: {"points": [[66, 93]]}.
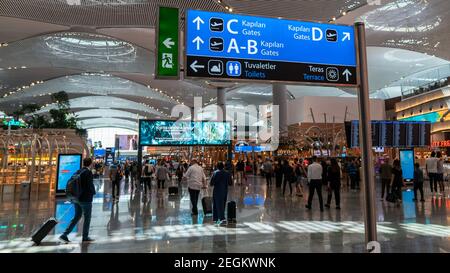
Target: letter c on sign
{"points": [[373, 247], [229, 26]]}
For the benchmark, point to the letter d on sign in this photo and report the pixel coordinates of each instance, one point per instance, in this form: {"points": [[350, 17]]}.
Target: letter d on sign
{"points": [[373, 247], [315, 31]]}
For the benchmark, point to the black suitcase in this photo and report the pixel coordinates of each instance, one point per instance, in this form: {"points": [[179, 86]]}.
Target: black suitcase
{"points": [[173, 190], [43, 231], [207, 205], [231, 212]]}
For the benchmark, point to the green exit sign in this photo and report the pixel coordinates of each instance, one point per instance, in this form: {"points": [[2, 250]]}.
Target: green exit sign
{"points": [[167, 37]]}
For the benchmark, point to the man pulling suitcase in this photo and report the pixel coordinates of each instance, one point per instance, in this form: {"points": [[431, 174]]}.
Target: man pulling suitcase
{"points": [[82, 204]]}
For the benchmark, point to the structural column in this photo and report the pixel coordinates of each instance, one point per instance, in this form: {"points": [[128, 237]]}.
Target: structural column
{"points": [[221, 103], [279, 95], [222, 115]]}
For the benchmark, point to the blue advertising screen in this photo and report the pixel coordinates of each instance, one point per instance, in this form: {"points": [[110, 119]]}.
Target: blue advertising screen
{"points": [[68, 164], [407, 163], [234, 46], [99, 152], [167, 133]]}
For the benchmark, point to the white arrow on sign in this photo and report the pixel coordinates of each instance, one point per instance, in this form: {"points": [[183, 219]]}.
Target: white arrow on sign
{"points": [[347, 74], [346, 36], [194, 66], [198, 40], [168, 42], [198, 21]]}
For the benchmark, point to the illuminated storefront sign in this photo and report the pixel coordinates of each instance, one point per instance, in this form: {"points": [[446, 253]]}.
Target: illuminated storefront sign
{"points": [[442, 143]]}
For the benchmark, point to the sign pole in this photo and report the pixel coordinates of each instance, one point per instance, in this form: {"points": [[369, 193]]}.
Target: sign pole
{"points": [[368, 174]]}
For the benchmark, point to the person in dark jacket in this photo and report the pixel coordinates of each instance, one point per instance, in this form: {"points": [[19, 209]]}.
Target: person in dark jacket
{"points": [[278, 174], [83, 206], [397, 181], [288, 173], [352, 172], [418, 182], [334, 183], [220, 180]]}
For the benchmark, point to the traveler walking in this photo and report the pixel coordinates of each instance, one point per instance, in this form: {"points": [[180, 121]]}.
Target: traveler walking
{"points": [[397, 180], [83, 205], [278, 174], [220, 180], [268, 171], [431, 168], [440, 173], [115, 176], [196, 180], [315, 182], [162, 173], [288, 176], [418, 182], [334, 183], [386, 177]]}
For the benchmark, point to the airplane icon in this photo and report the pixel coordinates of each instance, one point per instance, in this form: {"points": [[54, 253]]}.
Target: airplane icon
{"points": [[216, 24], [216, 44], [332, 35]]}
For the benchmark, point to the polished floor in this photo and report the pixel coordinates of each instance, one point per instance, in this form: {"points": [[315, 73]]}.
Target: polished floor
{"points": [[266, 222]]}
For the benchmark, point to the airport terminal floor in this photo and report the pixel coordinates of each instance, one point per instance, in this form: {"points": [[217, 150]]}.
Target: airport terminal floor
{"points": [[267, 222]]}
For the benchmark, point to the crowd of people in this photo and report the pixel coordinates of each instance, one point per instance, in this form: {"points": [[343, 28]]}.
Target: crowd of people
{"points": [[314, 173]]}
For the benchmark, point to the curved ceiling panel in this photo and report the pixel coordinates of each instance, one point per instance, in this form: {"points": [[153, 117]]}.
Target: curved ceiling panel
{"points": [[415, 25], [108, 122], [78, 50], [103, 102], [107, 113], [91, 83]]}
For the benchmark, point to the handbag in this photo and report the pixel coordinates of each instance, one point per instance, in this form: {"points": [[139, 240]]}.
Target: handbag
{"points": [[391, 197]]}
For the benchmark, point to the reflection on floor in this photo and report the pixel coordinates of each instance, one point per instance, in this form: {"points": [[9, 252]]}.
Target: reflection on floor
{"points": [[267, 222]]}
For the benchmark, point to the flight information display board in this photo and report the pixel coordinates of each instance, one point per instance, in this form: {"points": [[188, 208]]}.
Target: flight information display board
{"points": [[392, 133]]}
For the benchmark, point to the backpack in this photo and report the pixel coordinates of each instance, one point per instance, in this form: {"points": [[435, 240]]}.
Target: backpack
{"points": [[73, 187], [147, 171]]}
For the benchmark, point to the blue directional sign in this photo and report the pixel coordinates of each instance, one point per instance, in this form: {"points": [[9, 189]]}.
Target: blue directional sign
{"points": [[232, 46]]}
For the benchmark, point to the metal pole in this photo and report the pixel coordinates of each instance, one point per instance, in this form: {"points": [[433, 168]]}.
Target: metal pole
{"points": [[368, 173]]}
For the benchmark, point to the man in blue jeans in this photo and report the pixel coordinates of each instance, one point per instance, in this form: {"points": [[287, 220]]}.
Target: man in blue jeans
{"points": [[84, 204]]}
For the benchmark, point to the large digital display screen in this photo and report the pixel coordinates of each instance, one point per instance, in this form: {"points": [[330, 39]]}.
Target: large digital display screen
{"points": [[407, 163], [127, 142], [187, 133], [68, 164], [392, 133]]}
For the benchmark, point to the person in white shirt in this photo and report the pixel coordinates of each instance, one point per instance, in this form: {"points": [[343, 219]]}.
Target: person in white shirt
{"points": [[196, 180], [315, 182], [431, 168]]}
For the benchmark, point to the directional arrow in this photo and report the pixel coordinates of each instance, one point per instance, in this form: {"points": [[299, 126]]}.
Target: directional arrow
{"points": [[198, 21], [194, 66], [347, 74], [346, 36], [168, 42], [198, 40]]}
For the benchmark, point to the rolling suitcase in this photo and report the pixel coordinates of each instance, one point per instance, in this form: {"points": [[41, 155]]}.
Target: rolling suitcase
{"points": [[43, 230], [231, 212]]}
